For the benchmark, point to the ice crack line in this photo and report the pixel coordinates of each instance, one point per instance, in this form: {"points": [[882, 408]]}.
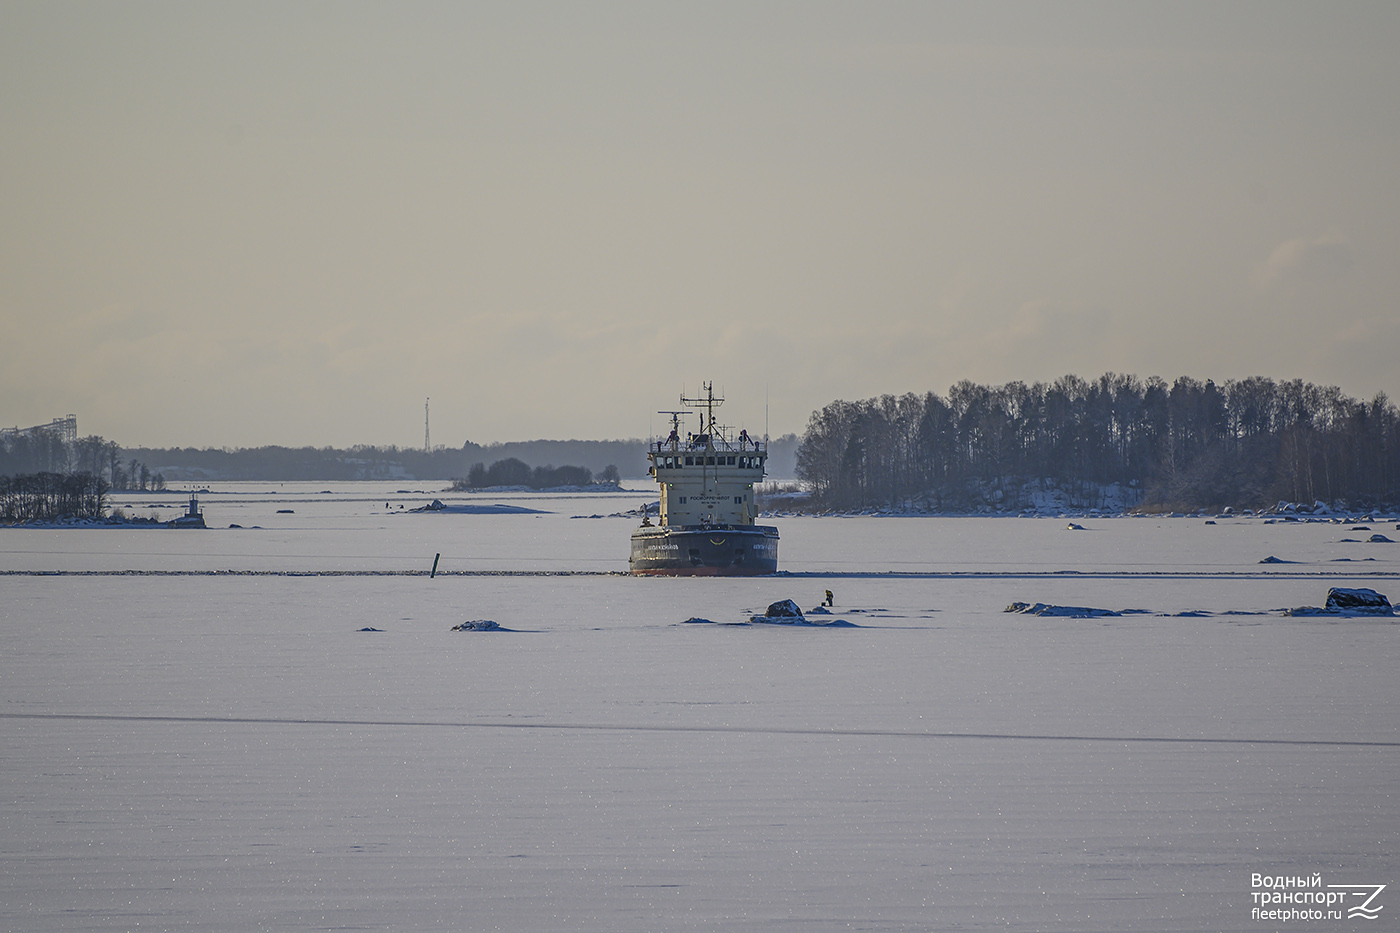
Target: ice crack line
{"points": [[741, 730]]}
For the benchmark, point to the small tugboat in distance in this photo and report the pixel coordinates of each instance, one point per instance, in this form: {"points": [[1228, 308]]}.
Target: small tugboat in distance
{"points": [[708, 521]]}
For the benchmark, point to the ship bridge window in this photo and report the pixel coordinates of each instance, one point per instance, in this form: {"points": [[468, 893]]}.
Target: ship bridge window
{"points": [[690, 461], [731, 461]]}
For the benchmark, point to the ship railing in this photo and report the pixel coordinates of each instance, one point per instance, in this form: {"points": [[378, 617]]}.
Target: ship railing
{"points": [[706, 442]]}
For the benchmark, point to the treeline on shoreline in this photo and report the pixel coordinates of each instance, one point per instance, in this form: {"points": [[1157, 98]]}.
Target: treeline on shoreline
{"points": [[1188, 444], [368, 462], [126, 468], [50, 497], [43, 451], [514, 472]]}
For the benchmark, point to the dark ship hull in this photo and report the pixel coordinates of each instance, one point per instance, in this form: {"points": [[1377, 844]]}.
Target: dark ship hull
{"points": [[714, 551]]}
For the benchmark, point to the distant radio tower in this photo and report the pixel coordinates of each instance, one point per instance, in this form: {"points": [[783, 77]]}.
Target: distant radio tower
{"points": [[427, 443]]}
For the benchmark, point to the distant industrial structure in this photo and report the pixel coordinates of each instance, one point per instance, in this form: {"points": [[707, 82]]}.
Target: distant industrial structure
{"points": [[66, 428]]}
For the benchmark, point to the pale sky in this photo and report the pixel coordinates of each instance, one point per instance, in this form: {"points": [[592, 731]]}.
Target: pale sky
{"points": [[238, 224]]}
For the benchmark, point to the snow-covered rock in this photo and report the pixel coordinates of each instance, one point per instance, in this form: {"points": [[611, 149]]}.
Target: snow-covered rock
{"points": [[1360, 600], [783, 611], [477, 625], [1069, 612], [1346, 602]]}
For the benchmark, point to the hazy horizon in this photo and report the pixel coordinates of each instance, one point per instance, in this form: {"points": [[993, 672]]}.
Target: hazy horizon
{"points": [[265, 224]]}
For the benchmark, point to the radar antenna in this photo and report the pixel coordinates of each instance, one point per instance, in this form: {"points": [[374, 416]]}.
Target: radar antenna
{"points": [[675, 437]]}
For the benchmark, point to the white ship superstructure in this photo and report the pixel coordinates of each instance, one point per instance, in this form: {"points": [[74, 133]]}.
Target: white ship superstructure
{"points": [[708, 515]]}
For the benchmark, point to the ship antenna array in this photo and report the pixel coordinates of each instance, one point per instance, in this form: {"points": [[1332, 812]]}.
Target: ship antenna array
{"points": [[709, 403], [675, 420]]}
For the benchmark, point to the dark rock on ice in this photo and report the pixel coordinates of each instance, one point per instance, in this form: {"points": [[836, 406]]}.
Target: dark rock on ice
{"points": [[369, 628], [783, 608], [1068, 612], [475, 508], [787, 612], [1273, 560], [1347, 602], [1380, 539], [1073, 527], [1360, 599], [784, 612], [477, 625]]}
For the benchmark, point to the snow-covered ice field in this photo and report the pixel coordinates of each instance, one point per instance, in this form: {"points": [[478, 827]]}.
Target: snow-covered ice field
{"points": [[197, 735]]}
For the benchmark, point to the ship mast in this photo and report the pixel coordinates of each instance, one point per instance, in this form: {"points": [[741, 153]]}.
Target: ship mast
{"points": [[675, 436], [709, 403]]}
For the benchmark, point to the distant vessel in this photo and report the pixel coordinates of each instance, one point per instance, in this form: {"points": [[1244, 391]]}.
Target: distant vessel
{"points": [[707, 525]]}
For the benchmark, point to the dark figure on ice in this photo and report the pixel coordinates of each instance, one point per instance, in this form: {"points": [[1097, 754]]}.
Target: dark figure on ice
{"points": [[830, 600]]}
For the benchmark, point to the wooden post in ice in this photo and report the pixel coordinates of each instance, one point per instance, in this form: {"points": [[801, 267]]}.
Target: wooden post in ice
{"points": [[433, 572]]}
